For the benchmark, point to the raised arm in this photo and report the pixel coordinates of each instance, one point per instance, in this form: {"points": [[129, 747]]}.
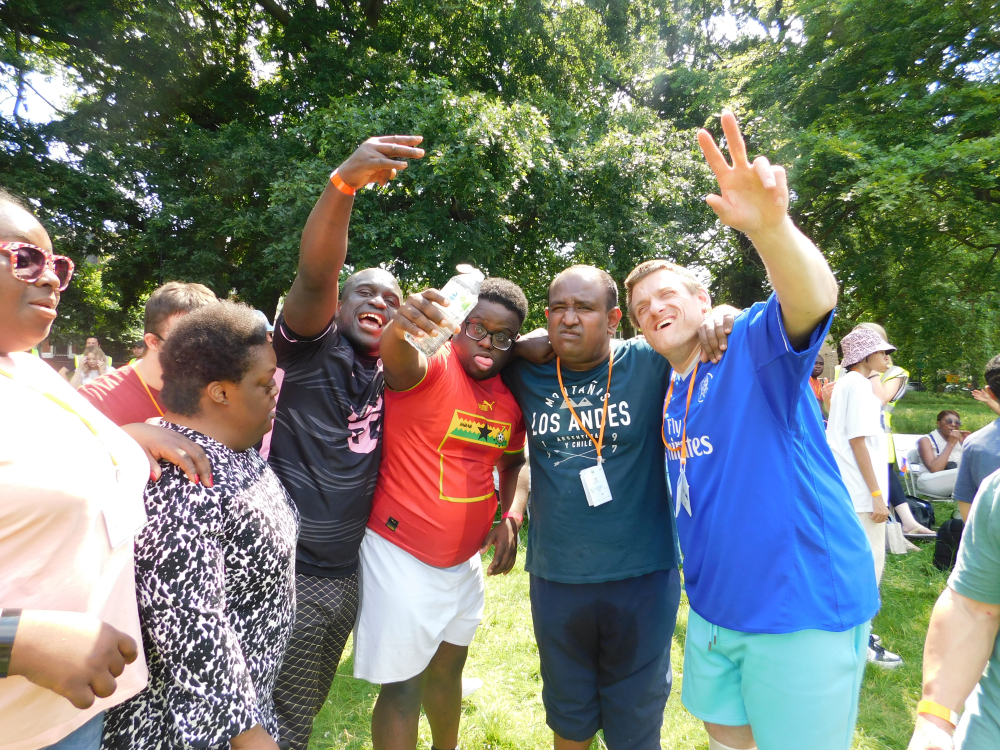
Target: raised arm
{"points": [[754, 201], [404, 366], [312, 301]]}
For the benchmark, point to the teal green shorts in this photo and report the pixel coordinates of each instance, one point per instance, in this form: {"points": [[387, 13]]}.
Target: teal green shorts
{"points": [[795, 690]]}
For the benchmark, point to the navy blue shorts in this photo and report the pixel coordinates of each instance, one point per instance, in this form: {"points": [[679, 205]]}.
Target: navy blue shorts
{"points": [[605, 653]]}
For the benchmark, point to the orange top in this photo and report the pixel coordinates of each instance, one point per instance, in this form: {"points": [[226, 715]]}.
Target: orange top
{"points": [[56, 479], [435, 497]]}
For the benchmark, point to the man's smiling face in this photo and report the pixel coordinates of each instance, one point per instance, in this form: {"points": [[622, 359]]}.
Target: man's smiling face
{"points": [[668, 312], [370, 300]]}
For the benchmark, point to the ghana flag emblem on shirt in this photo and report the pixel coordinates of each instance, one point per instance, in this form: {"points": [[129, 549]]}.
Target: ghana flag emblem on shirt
{"points": [[473, 428]]}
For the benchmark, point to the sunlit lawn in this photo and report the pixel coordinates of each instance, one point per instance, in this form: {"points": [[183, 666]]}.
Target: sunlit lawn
{"points": [[508, 713]]}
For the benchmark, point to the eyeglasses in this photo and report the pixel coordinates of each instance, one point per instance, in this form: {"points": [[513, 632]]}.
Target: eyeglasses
{"points": [[499, 340], [955, 422], [28, 263]]}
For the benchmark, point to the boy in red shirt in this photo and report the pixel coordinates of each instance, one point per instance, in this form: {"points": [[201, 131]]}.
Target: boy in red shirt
{"points": [[450, 419]]}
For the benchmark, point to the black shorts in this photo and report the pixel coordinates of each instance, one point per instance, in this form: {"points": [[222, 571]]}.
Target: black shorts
{"points": [[605, 654]]}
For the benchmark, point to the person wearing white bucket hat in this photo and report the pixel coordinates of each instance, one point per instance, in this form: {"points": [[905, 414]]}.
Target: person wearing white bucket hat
{"points": [[857, 437]]}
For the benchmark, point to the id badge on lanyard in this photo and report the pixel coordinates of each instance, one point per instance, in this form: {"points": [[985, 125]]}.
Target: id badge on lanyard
{"points": [[594, 480], [682, 496], [595, 485]]}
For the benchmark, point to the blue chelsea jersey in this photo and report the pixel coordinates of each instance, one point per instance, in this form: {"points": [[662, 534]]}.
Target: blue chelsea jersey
{"points": [[772, 544]]}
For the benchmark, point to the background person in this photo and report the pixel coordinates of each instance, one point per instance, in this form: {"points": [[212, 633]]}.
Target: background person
{"points": [[132, 394], [857, 437], [327, 437], [214, 566], [981, 450], [93, 364], [453, 420], [962, 650], [70, 629], [139, 350], [890, 387], [749, 421], [941, 454]]}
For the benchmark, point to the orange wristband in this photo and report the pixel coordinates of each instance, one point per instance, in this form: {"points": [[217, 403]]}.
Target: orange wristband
{"points": [[936, 709], [877, 493], [341, 185]]}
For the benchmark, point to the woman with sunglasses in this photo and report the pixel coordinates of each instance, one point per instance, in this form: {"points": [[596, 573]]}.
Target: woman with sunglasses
{"points": [[941, 454], [69, 625]]}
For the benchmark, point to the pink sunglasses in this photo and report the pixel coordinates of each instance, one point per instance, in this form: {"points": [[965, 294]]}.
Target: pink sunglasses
{"points": [[28, 262]]}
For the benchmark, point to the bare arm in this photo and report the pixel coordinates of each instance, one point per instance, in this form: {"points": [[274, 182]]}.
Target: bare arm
{"points": [[312, 301], [514, 486], [754, 201], [403, 365], [886, 391], [959, 642], [72, 654], [880, 512], [931, 462], [986, 396]]}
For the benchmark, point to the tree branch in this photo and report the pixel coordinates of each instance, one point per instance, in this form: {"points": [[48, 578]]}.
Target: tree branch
{"points": [[276, 12]]}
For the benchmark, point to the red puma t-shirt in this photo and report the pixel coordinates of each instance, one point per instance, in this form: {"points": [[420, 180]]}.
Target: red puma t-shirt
{"points": [[435, 496]]}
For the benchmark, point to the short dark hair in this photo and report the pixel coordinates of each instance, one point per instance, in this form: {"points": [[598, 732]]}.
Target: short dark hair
{"points": [[506, 293], [214, 342], [172, 298], [993, 375], [352, 280], [610, 286], [942, 414]]}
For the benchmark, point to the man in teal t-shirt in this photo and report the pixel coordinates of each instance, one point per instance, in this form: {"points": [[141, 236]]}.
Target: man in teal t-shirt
{"points": [[604, 581], [962, 652]]}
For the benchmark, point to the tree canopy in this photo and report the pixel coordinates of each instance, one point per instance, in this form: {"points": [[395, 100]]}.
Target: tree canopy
{"points": [[557, 131]]}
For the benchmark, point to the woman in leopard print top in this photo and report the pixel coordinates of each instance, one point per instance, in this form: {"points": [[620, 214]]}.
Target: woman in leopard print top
{"points": [[215, 574]]}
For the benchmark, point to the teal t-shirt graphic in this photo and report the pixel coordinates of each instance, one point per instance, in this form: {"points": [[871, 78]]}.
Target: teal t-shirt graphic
{"points": [[568, 540]]}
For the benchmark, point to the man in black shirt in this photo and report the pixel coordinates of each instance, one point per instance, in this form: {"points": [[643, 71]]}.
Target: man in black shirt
{"points": [[327, 437]]}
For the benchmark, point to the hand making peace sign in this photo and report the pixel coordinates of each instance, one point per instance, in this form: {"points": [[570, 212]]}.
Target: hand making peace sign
{"points": [[754, 196]]}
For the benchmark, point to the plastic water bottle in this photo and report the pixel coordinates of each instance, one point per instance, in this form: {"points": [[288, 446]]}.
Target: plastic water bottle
{"points": [[462, 292]]}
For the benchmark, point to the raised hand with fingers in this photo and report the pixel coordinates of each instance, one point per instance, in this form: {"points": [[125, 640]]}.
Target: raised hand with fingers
{"points": [[379, 159], [754, 196]]}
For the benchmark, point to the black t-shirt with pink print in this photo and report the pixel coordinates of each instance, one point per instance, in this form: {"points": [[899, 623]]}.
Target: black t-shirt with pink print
{"points": [[327, 444]]}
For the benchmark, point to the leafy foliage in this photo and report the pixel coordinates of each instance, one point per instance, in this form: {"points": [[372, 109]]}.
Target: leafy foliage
{"points": [[557, 132]]}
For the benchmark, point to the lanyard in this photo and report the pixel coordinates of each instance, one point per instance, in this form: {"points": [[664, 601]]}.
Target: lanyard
{"points": [[139, 375], [684, 430], [599, 443], [59, 402]]}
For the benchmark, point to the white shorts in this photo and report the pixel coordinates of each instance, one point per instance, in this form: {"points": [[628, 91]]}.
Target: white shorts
{"points": [[408, 608]]}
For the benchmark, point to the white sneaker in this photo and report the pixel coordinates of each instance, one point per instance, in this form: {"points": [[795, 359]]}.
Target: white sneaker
{"points": [[470, 685], [879, 656]]}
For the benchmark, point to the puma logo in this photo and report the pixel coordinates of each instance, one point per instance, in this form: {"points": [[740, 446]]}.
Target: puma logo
{"points": [[486, 405]]}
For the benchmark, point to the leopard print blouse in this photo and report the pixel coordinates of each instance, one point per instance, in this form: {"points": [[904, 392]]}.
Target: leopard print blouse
{"points": [[215, 581]]}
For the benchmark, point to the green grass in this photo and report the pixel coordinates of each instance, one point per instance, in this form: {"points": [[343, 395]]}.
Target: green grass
{"points": [[507, 712], [916, 412]]}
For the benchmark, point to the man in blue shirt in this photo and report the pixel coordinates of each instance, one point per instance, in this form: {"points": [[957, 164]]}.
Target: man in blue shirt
{"points": [[780, 611]]}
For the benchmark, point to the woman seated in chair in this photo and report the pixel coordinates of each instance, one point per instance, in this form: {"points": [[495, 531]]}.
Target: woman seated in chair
{"points": [[941, 453]]}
